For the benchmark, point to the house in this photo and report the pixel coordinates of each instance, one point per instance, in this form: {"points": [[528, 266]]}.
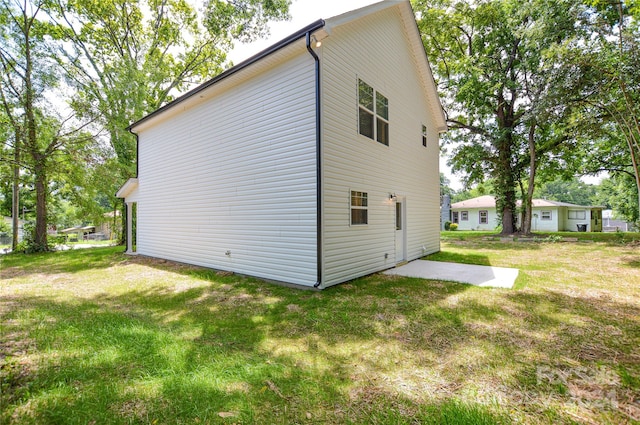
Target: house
{"points": [[548, 216], [311, 163]]}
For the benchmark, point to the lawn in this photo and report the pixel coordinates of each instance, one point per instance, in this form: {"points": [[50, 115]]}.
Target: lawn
{"points": [[95, 337]]}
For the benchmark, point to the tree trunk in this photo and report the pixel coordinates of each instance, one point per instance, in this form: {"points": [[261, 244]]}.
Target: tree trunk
{"points": [[40, 239], [527, 203], [15, 202], [505, 188]]}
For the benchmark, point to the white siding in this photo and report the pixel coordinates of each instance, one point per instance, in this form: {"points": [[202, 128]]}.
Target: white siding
{"points": [[540, 225], [473, 221], [375, 49], [236, 174]]}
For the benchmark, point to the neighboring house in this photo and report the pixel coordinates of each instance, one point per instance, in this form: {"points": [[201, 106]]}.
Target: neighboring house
{"points": [[548, 216], [312, 163], [475, 214]]}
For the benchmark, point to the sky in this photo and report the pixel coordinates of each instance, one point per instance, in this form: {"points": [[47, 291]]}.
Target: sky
{"points": [[303, 13]]}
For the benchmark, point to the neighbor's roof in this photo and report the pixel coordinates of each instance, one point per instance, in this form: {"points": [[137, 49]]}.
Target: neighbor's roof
{"points": [[486, 201], [489, 201], [323, 29]]}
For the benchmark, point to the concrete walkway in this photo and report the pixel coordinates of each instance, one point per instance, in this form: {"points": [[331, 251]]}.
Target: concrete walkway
{"points": [[496, 277]]}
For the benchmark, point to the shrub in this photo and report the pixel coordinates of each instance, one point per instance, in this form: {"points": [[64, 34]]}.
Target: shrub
{"points": [[453, 226], [447, 225]]}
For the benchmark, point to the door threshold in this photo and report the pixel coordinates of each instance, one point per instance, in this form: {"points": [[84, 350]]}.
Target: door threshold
{"points": [[401, 263]]}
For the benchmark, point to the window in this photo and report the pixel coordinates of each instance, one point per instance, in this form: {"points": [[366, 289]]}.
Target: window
{"points": [[398, 215], [424, 135], [464, 215], [545, 215], [373, 113], [359, 205], [577, 215], [454, 216], [483, 217]]}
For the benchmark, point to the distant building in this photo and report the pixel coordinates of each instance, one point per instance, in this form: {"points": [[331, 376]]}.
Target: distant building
{"points": [[612, 224], [548, 216]]}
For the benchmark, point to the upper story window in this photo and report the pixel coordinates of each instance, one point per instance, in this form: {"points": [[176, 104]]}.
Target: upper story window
{"points": [[424, 135], [373, 113]]}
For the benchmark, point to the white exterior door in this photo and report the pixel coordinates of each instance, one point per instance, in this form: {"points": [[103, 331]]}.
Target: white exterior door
{"points": [[401, 230]]}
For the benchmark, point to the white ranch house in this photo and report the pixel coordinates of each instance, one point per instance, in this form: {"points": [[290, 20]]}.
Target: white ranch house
{"points": [[548, 216], [312, 163]]}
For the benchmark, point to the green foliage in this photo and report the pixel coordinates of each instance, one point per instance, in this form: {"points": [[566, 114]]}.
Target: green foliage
{"points": [[490, 60], [128, 58], [574, 191], [447, 225], [453, 226], [620, 193]]}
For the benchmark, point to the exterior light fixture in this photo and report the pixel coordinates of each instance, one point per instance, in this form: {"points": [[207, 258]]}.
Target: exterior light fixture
{"points": [[392, 196], [317, 42]]}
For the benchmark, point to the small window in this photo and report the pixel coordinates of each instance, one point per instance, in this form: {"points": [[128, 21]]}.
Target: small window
{"points": [[373, 116], [359, 204], [577, 215], [545, 215], [424, 136], [398, 215], [483, 217], [464, 215]]}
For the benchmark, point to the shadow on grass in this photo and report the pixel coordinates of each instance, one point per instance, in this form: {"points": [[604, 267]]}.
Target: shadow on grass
{"points": [[375, 350], [77, 260]]}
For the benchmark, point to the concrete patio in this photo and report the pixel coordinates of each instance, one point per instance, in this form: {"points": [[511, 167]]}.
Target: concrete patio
{"points": [[485, 276]]}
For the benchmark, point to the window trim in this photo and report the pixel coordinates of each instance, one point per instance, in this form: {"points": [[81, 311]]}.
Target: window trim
{"points": [[377, 118], [362, 195], [464, 215], [486, 217], [542, 217], [583, 212]]}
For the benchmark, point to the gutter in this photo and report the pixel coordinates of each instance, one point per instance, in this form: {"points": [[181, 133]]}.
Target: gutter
{"points": [[318, 164]]}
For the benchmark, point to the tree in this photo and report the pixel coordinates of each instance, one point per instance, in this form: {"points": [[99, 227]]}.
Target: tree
{"points": [[618, 193], [445, 186], [487, 56], [40, 139], [128, 58], [22, 82], [573, 191], [616, 61]]}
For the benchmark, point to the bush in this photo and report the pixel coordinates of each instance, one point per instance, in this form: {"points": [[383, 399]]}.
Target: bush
{"points": [[29, 245], [447, 224], [453, 226]]}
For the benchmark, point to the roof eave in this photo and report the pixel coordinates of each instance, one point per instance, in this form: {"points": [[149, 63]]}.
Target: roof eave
{"points": [[231, 71]]}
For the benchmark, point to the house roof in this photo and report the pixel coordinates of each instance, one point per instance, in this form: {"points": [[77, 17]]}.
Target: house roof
{"points": [[489, 201], [323, 29], [486, 201], [127, 188]]}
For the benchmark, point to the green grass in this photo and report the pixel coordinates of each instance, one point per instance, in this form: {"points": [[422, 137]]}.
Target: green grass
{"points": [[94, 336]]}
